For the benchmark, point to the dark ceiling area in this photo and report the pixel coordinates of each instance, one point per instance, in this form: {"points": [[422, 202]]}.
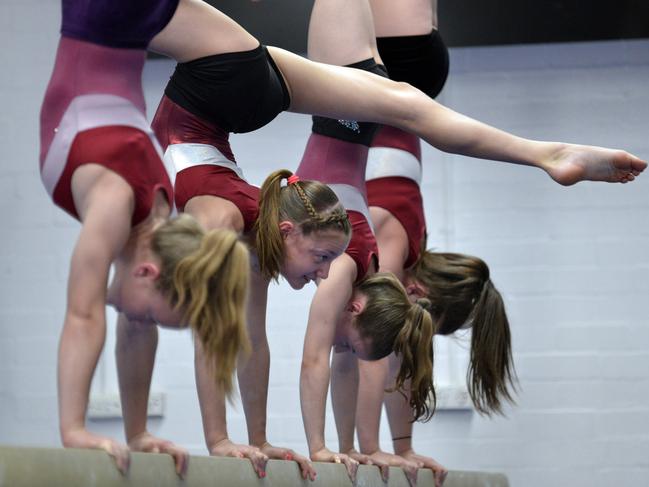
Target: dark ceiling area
{"points": [[467, 22]]}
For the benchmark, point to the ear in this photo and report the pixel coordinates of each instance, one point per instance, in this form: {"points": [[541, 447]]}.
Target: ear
{"points": [[286, 227], [355, 307], [416, 289], [147, 269]]}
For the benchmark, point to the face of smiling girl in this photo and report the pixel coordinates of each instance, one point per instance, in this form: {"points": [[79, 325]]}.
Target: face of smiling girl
{"points": [[309, 257]]}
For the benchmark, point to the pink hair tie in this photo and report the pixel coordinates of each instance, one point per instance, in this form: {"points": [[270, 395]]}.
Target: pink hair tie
{"points": [[293, 179]]}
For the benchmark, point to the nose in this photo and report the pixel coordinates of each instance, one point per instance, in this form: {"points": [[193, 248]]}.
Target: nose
{"points": [[323, 270]]}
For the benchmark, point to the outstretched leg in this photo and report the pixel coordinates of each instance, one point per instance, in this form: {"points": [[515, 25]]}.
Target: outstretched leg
{"points": [[344, 93]]}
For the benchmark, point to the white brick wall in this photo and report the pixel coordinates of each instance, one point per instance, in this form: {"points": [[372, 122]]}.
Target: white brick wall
{"points": [[571, 262]]}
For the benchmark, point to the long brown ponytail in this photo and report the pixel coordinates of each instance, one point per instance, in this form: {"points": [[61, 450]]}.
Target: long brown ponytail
{"points": [[491, 369], [206, 275], [310, 204], [414, 345], [461, 292], [393, 323]]}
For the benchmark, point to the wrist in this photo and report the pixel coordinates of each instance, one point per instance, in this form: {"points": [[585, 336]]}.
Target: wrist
{"points": [[320, 447], [137, 436], [346, 447], [218, 442], [402, 446], [258, 441]]}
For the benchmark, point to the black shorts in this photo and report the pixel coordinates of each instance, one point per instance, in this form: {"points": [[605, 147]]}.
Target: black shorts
{"points": [[238, 91], [421, 61], [350, 130]]}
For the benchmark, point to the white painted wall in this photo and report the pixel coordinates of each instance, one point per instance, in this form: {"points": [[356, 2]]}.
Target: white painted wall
{"points": [[571, 262]]}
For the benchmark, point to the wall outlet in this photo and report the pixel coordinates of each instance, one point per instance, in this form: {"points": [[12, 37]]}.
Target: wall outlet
{"points": [[109, 406], [451, 397]]}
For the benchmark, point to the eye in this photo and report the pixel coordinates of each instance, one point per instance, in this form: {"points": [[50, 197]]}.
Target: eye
{"points": [[321, 258]]}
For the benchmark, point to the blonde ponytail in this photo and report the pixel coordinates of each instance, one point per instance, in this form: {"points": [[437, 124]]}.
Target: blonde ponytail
{"points": [[311, 205], [206, 277]]}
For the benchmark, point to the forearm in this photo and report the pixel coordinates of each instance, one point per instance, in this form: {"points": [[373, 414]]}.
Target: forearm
{"points": [[398, 410], [135, 351], [81, 343], [372, 376], [344, 391], [211, 399], [253, 375], [253, 370], [314, 380]]}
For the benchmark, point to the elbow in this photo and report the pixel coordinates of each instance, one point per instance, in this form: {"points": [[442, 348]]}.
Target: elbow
{"points": [[312, 363]]}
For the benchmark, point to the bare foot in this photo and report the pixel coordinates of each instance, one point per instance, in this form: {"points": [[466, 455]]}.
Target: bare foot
{"points": [[574, 163]]}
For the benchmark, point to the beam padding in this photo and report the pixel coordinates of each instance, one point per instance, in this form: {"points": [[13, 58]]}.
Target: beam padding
{"points": [[54, 467]]}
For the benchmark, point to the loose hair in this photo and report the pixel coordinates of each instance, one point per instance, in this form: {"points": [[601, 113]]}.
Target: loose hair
{"points": [[393, 323], [312, 205], [205, 275], [460, 291]]}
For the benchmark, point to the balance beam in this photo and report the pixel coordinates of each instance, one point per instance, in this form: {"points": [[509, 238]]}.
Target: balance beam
{"points": [[54, 467]]}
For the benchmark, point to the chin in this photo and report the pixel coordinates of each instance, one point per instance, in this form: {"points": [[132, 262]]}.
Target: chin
{"points": [[297, 284]]}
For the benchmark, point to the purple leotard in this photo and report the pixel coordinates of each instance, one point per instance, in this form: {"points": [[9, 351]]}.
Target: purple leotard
{"points": [[114, 23]]}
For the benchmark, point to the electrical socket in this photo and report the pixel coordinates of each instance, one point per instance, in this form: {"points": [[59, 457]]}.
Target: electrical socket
{"points": [[109, 406], [453, 398]]}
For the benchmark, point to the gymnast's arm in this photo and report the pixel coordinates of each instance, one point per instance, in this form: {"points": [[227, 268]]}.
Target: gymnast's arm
{"points": [[213, 411], [104, 203], [135, 355], [253, 374], [373, 375], [329, 302]]}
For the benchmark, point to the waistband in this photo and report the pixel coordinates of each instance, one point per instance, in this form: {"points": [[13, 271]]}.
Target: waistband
{"points": [[385, 162], [352, 199], [183, 156]]}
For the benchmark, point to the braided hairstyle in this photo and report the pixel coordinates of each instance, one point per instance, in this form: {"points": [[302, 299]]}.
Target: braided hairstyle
{"points": [[311, 205]]}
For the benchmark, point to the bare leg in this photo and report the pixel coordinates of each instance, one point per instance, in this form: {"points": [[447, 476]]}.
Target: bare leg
{"points": [[338, 92], [197, 29], [407, 18], [341, 32]]}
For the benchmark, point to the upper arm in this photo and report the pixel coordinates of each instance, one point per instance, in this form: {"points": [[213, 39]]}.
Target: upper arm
{"points": [[392, 241], [328, 303], [257, 301], [105, 230]]}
